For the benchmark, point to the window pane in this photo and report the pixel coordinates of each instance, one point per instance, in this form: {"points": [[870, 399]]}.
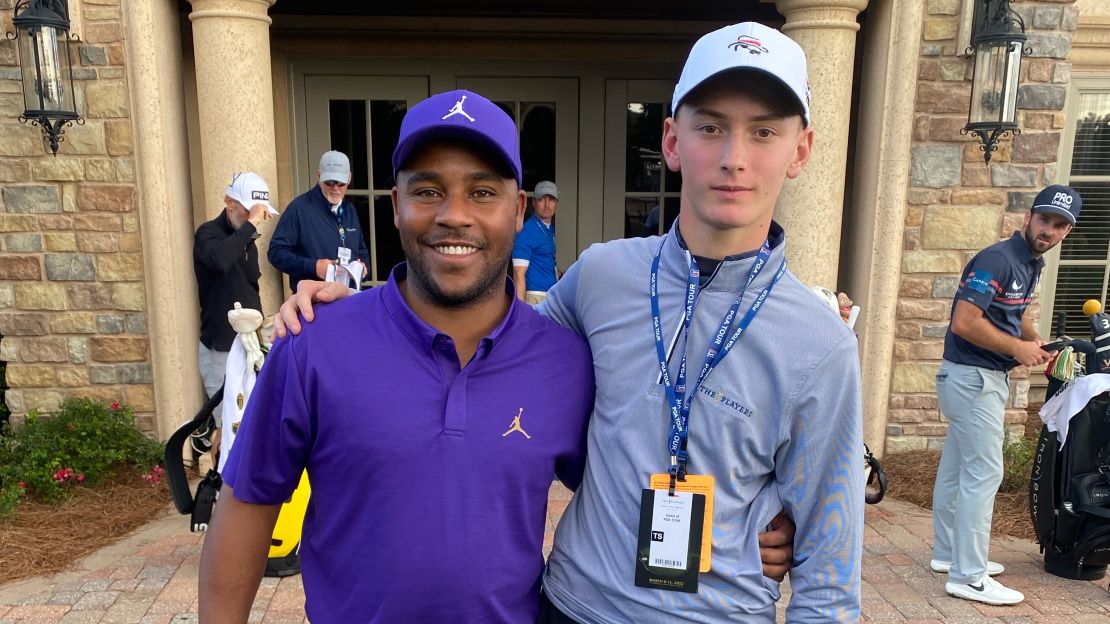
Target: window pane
{"points": [[1090, 238], [639, 215], [1074, 285], [1091, 155], [362, 209], [387, 239], [537, 142], [348, 135], [643, 161], [385, 128]]}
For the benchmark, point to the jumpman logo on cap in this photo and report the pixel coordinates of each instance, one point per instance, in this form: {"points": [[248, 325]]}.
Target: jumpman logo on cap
{"points": [[457, 109], [516, 426]]}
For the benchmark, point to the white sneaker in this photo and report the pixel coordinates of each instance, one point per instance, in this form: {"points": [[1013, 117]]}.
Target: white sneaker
{"points": [[986, 590], [993, 568]]}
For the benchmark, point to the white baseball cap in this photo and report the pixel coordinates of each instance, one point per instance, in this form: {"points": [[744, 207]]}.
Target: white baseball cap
{"points": [[335, 166], [746, 46], [249, 188]]}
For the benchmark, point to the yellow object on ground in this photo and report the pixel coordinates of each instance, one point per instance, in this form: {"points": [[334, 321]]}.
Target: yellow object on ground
{"points": [[287, 529]]}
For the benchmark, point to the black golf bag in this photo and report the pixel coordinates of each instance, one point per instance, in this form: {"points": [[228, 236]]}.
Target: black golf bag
{"points": [[1069, 490]]}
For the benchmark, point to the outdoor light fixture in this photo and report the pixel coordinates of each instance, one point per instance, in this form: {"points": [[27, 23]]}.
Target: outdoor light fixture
{"points": [[43, 39], [997, 40]]}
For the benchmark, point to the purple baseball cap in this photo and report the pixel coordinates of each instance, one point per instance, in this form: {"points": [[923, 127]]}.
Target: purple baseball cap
{"points": [[459, 116]]}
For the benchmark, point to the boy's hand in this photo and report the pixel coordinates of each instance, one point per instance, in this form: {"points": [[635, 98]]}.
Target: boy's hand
{"points": [[308, 291], [776, 547]]}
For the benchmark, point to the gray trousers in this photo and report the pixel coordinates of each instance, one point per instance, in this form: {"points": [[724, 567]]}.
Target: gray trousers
{"points": [[973, 400], [212, 369]]}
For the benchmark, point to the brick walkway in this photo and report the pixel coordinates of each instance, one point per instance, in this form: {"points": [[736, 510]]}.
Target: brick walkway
{"points": [[151, 578]]}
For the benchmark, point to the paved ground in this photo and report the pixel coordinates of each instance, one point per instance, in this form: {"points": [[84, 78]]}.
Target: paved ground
{"points": [[151, 578]]}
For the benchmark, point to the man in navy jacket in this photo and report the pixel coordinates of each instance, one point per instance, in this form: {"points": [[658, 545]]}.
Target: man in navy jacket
{"points": [[317, 225]]}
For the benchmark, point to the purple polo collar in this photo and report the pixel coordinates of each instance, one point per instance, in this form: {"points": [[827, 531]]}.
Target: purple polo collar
{"points": [[423, 334]]}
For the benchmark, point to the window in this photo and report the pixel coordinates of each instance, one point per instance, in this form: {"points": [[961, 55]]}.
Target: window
{"points": [[1084, 256]]}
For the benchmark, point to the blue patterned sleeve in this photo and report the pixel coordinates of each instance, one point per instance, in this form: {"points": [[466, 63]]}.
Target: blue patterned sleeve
{"points": [[819, 469], [984, 277]]}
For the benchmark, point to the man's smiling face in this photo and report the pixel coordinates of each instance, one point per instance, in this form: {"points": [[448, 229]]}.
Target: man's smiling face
{"points": [[457, 215]]}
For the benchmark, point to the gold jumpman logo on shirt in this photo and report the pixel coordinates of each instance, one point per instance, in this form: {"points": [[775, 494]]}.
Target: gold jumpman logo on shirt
{"points": [[516, 426]]}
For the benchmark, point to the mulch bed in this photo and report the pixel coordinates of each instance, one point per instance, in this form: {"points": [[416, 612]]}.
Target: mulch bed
{"points": [[912, 475], [44, 539]]}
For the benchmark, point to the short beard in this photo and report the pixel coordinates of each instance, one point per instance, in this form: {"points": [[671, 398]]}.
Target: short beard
{"points": [[1031, 241], [491, 280]]}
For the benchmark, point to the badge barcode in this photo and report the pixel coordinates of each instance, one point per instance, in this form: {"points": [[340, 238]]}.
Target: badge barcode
{"points": [[669, 563]]}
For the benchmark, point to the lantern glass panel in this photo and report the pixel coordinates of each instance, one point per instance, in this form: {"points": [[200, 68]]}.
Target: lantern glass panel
{"points": [[47, 78], [994, 88]]}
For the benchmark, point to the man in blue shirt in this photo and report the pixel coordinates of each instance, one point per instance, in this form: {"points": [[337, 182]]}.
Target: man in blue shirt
{"points": [[534, 249], [319, 227], [989, 334]]}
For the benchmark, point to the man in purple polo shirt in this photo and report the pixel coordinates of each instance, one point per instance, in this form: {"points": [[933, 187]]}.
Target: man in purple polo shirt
{"points": [[424, 410]]}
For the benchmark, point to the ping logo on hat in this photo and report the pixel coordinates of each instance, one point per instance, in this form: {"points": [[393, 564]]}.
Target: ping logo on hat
{"points": [[248, 189], [1061, 200]]}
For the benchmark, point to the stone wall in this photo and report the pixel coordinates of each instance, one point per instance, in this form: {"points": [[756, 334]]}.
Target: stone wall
{"points": [[72, 298], [958, 205]]}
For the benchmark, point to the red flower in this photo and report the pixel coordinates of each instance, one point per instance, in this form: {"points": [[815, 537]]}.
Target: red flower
{"points": [[22, 485], [115, 406], [81, 478], [71, 426]]}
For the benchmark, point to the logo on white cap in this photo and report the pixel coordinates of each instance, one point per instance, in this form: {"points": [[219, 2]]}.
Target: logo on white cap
{"points": [[457, 109], [748, 46], [751, 44], [248, 189]]}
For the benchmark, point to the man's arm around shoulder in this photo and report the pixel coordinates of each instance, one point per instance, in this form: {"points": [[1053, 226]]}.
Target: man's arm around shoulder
{"points": [[234, 558]]}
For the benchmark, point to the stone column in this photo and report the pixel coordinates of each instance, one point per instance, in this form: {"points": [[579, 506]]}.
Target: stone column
{"points": [[154, 55], [872, 268], [231, 45], [810, 206]]}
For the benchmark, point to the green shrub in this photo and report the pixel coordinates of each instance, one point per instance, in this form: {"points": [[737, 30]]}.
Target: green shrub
{"points": [[1017, 462], [82, 443]]}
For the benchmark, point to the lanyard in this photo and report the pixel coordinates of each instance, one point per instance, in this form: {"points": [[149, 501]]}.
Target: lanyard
{"points": [[678, 397], [339, 223]]}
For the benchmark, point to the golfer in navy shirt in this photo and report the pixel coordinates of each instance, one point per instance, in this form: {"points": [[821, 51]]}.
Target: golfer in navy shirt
{"points": [[423, 410]]}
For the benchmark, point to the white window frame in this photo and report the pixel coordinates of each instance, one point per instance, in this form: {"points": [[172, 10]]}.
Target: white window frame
{"points": [[1080, 84]]}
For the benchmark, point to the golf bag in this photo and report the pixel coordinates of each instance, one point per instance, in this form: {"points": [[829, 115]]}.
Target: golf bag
{"points": [[246, 357], [1069, 490]]}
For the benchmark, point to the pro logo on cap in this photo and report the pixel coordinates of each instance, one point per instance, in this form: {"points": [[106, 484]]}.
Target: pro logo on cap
{"points": [[1061, 200]]}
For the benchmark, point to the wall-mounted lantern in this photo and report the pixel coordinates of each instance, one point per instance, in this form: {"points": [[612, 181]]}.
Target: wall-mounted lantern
{"points": [[997, 40], [43, 39]]}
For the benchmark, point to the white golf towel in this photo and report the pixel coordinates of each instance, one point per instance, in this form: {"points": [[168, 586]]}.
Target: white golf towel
{"points": [[1056, 413], [243, 363]]}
